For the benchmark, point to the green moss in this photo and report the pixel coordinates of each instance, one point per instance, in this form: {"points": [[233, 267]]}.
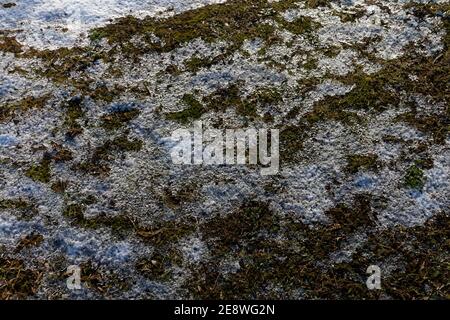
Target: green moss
{"points": [[414, 178], [74, 112], [14, 204], [193, 111], [194, 64], [311, 64], [366, 162], [40, 172], [121, 144], [291, 142], [370, 93], [378, 92], [7, 111], [59, 64], [93, 167], [266, 96], [432, 74], [116, 120], [438, 127], [26, 210], [224, 98], [234, 21], [292, 137], [230, 97], [97, 35], [324, 112], [302, 25], [74, 211]]}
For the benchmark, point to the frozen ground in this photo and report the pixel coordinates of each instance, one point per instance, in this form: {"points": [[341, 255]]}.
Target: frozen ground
{"points": [[358, 89], [61, 23]]}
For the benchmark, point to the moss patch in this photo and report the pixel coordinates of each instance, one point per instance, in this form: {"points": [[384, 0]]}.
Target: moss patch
{"points": [[367, 162], [8, 111], [193, 111], [414, 178], [195, 63], [59, 186], [168, 232], [74, 112], [158, 266], [17, 281], [119, 224], [26, 209], [250, 235], [116, 120], [29, 241], [101, 281], [234, 21], [10, 44], [302, 25], [291, 142], [97, 164], [40, 172], [350, 16], [60, 154], [271, 269]]}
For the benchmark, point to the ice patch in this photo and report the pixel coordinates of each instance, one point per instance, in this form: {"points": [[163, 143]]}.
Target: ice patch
{"points": [[7, 140]]}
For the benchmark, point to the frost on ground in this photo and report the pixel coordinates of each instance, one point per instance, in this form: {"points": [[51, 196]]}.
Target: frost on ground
{"points": [[91, 92], [65, 23]]}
